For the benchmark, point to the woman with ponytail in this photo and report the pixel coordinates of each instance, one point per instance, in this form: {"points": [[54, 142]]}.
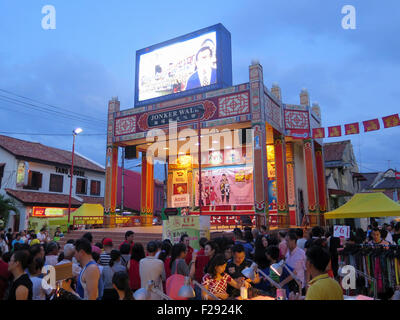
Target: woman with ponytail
{"points": [[120, 283]]}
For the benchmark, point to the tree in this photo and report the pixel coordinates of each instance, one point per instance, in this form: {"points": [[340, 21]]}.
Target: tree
{"points": [[6, 205]]}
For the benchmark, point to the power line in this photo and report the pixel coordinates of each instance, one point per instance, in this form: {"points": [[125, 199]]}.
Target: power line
{"points": [[47, 104], [46, 110]]}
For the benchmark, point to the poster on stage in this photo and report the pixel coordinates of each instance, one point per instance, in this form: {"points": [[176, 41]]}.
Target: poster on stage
{"points": [[180, 188], [179, 176], [272, 192], [225, 186], [180, 200], [176, 226]]}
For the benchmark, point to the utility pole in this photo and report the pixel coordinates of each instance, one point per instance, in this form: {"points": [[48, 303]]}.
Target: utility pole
{"points": [[122, 178]]}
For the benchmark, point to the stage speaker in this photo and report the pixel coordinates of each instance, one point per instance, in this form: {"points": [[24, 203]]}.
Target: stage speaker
{"points": [[131, 152]]}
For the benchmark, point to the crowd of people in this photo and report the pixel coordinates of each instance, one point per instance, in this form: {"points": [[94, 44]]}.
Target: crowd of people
{"points": [[109, 271]]}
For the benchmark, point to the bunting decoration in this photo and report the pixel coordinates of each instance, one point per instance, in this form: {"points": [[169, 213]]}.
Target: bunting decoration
{"points": [[371, 125], [352, 128], [318, 133], [335, 131], [391, 121]]}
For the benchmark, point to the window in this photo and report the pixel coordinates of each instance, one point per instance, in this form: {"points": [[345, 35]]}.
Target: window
{"points": [[56, 183], [34, 180], [94, 188], [81, 186]]}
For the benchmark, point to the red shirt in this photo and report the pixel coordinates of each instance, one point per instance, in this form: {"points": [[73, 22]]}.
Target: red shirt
{"points": [[134, 276], [126, 241], [201, 262], [4, 276], [189, 255]]}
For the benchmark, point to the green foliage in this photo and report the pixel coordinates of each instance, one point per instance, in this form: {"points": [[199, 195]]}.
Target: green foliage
{"points": [[6, 205]]}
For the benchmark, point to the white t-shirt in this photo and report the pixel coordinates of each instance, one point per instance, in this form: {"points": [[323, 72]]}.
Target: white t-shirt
{"points": [[38, 293], [151, 268], [41, 237], [297, 260]]}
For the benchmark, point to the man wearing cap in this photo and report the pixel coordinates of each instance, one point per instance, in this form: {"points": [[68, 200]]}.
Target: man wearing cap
{"points": [[105, 257], [69, 253]]}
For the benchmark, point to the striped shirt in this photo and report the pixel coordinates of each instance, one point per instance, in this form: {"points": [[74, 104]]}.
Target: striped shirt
{"points": [[105, 259]]}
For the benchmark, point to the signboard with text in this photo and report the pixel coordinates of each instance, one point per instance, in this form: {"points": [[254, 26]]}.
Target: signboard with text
{"points": [[341, 232]]}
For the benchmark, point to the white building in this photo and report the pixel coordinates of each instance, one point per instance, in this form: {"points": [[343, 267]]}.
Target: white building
{"points": [[37, 178]]}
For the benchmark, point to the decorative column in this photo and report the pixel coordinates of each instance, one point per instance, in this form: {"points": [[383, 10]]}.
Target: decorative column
{"points": [[110, 193], [291, 183], [147, 191], [322, 195], [281, 183], [311, 185], [260, 172]]}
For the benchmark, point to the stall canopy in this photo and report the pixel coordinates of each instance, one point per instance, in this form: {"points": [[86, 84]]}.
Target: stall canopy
{"points": [[88, 210], [366, 205]]}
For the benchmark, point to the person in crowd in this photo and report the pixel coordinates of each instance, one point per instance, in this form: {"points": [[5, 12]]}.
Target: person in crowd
{"points": [[88, 280], [5, 275], [236, 265], [96, 258], [108, 272], [228, 252], [42, 236], [3, 243], [58, 234], [322, 287], [201, 260], [88, 236], [396, 233], [36, 276], [159, 244], [129, 235], [295, 259], [216, 280], [33, 240], [377, 238], [282, 243], [388, 237], [249, 245], [68, 257], [186, 241], [105, 256], [52, 254], [334, 245], [21, 287], [264, 230], [133, 266], [260, 258], [239, 239], [178, 261], [17, 240], [100, 246], [165, 256], [210, 251], [125, 250], [67, 291], [301, 238], [151, 268], [255, 234], [120, 283]]}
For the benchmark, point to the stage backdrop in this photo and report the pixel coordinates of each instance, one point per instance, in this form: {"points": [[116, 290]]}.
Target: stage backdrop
{"points": [[225, 186]]}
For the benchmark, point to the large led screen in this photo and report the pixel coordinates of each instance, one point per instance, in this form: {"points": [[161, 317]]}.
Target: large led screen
{"points": [[188, 64], [178, 67]]}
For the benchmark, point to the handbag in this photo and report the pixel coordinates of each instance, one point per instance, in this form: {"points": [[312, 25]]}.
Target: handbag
{"points": [[174, 283]]}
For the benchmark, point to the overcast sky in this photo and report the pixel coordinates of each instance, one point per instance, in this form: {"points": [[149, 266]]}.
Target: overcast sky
{"points": [[90, 57]]}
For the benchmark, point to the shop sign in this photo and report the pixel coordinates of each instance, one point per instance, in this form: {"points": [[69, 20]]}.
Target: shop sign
{"points": [[184, 114], [180, 200], [77, 172], [47, 212]]}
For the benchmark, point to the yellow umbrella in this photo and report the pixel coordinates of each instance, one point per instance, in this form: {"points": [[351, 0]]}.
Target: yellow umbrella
{"points": [[366, 205]]}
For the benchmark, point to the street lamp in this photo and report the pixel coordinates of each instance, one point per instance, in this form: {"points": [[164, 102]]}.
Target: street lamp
{"points": [[74, 133]]}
